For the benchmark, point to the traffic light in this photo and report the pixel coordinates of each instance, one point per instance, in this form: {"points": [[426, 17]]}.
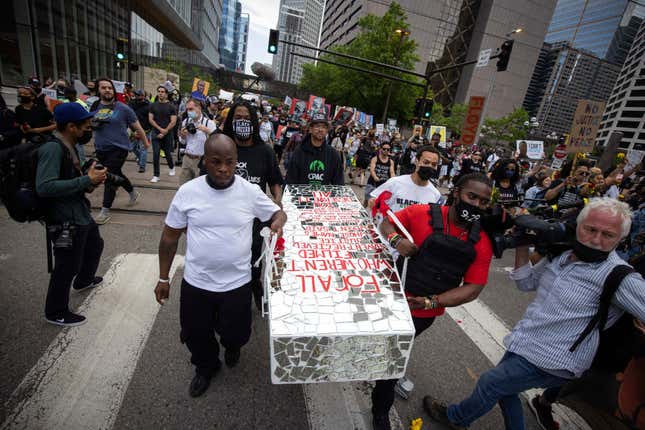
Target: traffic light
{"points": [[421, 111], [121, 53], [504, 55], [274, 37]]}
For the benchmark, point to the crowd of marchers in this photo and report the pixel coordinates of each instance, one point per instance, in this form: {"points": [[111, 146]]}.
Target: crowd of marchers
{"points": [[429, 197]]}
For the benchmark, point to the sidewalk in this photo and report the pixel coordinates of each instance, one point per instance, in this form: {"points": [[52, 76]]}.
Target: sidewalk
{"points": [[154, 198]]}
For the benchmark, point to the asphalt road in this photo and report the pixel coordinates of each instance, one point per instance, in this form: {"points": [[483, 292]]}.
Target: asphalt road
{"points": [[445, 362]]}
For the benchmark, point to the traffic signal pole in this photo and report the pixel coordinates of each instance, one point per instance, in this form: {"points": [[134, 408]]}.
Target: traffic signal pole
{"points": [[430, 70]]}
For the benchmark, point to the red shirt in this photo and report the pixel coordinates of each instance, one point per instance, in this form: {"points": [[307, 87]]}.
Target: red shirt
{"points": [[416, 220]]}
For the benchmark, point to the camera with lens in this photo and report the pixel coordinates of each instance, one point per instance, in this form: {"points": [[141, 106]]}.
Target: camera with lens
{"points": [[110, 178], [190, 128], [63, 234], [549, 235]]}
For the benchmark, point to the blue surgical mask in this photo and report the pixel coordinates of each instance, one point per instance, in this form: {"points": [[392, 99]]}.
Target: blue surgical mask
{"points": [[192, 114]]}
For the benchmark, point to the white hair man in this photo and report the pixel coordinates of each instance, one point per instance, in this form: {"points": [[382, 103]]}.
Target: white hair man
{"points": [[540, 352]]}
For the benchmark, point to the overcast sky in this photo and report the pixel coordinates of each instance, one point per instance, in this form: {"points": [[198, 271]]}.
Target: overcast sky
{"points": [[263, 15]]}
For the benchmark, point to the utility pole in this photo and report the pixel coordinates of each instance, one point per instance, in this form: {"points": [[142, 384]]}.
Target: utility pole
{"points": [[402, 34]]}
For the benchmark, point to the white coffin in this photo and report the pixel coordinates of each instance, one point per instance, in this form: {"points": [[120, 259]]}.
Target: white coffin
{"points": [[336, 312]]}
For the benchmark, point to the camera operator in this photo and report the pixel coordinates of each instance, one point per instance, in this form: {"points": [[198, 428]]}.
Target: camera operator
{"points": [[540, 348], [74, 234], [195, 129], [448, 248], [565, 191]]}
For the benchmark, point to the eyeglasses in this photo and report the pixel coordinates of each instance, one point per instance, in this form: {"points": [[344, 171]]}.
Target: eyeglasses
{"points": [[386, 149], [583, 173]]}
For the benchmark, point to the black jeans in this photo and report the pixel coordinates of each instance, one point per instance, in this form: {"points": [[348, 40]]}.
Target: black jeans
{"points": [[383, 393], [164, 144], [202, 313], [81, 260], [113, 159]]}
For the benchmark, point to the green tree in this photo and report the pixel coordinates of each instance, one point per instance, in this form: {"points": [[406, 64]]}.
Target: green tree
{"points": [[378, 41], [453, 121], [508, 128]]}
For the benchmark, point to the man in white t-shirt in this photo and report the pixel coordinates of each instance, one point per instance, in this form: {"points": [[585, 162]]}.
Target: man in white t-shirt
{"points": [[415, 188], [195, 129], [216, 211]]}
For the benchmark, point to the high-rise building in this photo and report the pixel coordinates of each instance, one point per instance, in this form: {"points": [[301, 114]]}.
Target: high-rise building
{"points": [[242, 42], [575, 74], [205, 19], [299, 21], [78, 39], [233, 36], [452, 32], [584, 48], [625, 111]]}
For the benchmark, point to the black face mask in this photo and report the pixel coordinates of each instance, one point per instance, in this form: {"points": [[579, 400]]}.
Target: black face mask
{"points": [[86, 137], [243, 129], [467, 213], [588, 254], [427, 172], [24, 99]]}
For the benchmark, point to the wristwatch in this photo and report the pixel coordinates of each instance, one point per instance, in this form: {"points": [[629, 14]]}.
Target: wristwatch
{"points": [[431, 302]]}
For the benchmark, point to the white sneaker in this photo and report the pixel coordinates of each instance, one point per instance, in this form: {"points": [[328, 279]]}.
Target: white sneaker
{"points": [[102, 218], [171, 172], [133, 198], [154, 179]]}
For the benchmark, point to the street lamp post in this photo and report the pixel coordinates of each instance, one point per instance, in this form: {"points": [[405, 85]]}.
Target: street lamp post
{"points": [[402, 34]]}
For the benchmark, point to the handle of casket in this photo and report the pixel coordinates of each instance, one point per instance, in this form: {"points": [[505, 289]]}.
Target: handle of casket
{"points": [[408, 236], [269, 245]]}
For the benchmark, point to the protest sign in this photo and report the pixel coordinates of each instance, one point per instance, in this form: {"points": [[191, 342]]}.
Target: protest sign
{"points": [[336, 309], [533, 149], [585, 125]]}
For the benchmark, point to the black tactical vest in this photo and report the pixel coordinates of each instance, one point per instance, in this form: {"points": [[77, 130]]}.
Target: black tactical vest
{"points": [[442, 259]]}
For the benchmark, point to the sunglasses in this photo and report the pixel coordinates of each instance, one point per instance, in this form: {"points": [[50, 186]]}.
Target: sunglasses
{"points": [[386, 149]]}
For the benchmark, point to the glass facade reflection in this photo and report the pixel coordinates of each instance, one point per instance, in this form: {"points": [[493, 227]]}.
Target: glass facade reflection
{"points": [[229, 33], [74, 39], [601, 27]]}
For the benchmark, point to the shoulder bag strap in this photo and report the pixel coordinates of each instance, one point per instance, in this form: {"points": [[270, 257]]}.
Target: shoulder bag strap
{"points": [[612, 282]]}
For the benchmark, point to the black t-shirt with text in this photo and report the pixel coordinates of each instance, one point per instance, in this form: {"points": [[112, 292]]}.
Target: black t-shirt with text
{"points": [[258, 165], [161, 113]]}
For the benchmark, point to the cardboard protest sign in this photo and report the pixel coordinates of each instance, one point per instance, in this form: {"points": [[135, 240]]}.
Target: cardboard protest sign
{"points": [[585, 125], [533, 149]]}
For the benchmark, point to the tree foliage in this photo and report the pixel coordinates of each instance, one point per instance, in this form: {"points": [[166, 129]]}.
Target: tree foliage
{"points": [[377, 40], [453, 121], [508, 128]]}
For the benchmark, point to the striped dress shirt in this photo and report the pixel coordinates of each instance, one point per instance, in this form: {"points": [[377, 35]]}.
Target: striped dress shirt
{"points": [[568, 296]]}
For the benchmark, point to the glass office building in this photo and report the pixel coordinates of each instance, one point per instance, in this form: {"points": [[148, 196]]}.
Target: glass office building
{"points": [[73, 39], [595, 26], [78, 39], [229, 33]]}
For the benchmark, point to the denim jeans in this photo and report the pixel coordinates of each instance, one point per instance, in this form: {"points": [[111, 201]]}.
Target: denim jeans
{"points": [[140, 151], [502, 384], [165, 144]]}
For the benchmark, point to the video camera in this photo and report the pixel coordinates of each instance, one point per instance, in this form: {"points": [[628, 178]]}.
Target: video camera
{"points": [[110, 178], [541, 229]]}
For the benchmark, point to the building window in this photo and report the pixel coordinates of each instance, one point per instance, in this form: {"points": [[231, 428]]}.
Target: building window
{"points": [[637, 93], [627, 124], [632, 114]]}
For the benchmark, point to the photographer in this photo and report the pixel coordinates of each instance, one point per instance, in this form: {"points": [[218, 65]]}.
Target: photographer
{"points": [[565, 191], [74, 234], [195, 129], [544, 348], [449, 248]]}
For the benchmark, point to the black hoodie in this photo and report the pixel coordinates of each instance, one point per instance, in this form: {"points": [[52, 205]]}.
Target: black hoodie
{"points": [[311, 165]]}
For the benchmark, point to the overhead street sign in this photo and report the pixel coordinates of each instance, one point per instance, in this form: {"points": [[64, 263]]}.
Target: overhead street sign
{"points": [[484, 57]]}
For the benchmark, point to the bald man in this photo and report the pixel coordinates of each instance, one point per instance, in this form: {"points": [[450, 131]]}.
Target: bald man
{"points": [[216, 211]]}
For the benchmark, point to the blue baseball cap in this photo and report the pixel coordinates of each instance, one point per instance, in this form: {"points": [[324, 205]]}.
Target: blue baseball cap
{"points": [[70, 112]]}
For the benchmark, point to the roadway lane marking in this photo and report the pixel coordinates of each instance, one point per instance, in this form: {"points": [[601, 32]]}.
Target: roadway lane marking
{"points": [[487, 331], [80, 381], [342, 406]]}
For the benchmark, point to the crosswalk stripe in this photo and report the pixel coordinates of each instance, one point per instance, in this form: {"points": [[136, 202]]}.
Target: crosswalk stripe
{"points": [[487, 331], [80, 381]]}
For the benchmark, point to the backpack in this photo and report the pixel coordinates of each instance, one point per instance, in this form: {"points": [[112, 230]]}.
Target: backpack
{"points": [[617, 343], [18, 167], [442, 260]]}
